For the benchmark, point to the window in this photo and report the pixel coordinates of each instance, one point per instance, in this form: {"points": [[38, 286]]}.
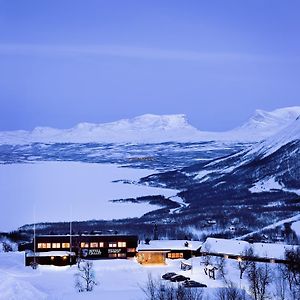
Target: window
{"points": [[94, 245], [131, 250], [84, 245], [112, 244], [65, 245], [121, 244], [55, 245], [101, 244], [44, 245], [175, 255], [122, 255], [112, 255]]}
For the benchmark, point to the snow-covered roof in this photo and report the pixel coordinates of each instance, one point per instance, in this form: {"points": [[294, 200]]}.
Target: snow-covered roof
{"points": [[236, 247], [167, 245], [51, 253]]}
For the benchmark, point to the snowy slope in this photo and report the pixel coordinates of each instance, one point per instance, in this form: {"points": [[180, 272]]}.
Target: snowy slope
{"points": [[156, 129], [287, 135], [264, 124]]}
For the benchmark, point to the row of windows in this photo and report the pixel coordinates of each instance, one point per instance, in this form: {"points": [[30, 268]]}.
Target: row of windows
{"points": [[115, 255], [82, 245], [54, 245], [175, 255], [101, 245]]}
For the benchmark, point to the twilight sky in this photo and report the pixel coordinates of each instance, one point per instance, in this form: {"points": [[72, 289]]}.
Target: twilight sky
{"points": [[65, 61]]}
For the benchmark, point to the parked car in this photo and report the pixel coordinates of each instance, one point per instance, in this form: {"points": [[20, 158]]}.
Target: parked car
{"points": [[192, 283], [168, 275], [178, 278]]}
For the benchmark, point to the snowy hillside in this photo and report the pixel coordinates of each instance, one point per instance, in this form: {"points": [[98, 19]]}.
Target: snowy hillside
{"points": [[156, 129], [264, 124]]}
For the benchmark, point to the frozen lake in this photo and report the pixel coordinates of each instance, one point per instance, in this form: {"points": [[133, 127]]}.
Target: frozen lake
{"points": [[54, 189]]}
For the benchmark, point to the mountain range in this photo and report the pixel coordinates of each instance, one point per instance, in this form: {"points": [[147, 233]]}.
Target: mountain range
{"points": [[156, 129]]}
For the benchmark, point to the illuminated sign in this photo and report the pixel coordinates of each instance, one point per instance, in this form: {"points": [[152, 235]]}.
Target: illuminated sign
{"points": [[95, 252]]}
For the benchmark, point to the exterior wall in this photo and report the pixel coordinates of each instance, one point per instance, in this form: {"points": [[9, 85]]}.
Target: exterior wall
{"points": [[50, 260], [90, 246]]}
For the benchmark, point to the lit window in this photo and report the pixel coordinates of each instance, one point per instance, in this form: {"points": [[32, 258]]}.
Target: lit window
{"points": [[112, 245], [175, 255], [94, 245], [121, 244], [112, 255], [131, 250], [121, 255], [65, 245], [55, 245], [84, 245], [101, 244], [44, 245]]}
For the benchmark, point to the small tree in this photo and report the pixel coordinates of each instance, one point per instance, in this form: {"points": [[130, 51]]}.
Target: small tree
{"points": [[231, 292], [259, 279], [7, 247], [243, 261], [280, 282], [220, 263], [85, 279], [206, 259], [292, 271]]}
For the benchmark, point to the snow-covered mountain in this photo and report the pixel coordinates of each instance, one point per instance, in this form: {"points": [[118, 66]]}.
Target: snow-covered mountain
{"points": [[264, 124], [266, 173], [156, 129]]}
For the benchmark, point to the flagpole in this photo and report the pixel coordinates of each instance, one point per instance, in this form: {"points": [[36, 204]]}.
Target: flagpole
{"points": [[70, 233]]}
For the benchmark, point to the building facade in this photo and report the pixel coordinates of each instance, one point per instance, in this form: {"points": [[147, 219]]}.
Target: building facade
{"points": [[64, 249]]}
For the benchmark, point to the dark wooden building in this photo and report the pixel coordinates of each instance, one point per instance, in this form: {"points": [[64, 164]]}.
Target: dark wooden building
{"points": [[68, 248]]}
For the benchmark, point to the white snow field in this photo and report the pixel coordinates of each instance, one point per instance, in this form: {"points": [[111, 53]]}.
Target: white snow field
{"points": [[59, 191], [117, 279]]}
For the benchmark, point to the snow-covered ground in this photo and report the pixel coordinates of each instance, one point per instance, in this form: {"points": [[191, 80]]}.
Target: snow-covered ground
{"points": [[58, 190], [116, 279]]}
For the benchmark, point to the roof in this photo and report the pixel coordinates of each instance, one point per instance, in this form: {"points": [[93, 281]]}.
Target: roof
{"points": [[88, 235], [236, 247], [51, 253], [168, 245]]}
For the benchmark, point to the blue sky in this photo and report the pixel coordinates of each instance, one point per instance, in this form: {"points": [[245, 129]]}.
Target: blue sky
{"points": [[64, 62]]}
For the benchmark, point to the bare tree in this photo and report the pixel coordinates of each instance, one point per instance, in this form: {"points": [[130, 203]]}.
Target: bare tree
{"points": [[157, 290], [220, 263], [85, 279], [292, 271], [244, 260], [206, 258], [230, 294], [259, 277], [280, 282]]}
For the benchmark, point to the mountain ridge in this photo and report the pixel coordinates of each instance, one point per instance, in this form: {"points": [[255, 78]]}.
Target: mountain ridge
{"points": [[150, 128]]}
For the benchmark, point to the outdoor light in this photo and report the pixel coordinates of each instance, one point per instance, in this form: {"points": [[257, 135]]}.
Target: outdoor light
{"points": [[52, 257], [239, 259]]}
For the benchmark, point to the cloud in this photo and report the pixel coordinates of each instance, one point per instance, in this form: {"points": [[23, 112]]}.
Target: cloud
{"points": [[129, 52]]}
